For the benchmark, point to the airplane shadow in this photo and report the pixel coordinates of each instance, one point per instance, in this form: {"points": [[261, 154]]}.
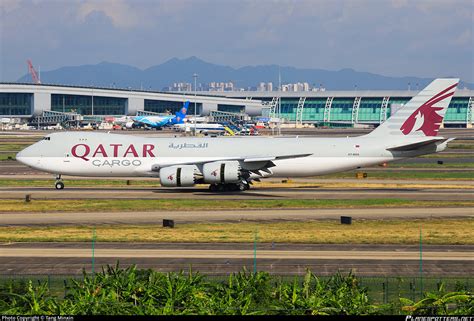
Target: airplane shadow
{"points": [[220, 194]]}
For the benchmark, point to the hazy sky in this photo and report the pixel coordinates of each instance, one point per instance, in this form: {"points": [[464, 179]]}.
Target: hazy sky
{"points": [[390, 37]]}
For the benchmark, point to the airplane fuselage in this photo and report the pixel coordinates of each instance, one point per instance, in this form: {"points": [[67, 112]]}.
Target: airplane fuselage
{"points": [[233, 163], [113, 155]]}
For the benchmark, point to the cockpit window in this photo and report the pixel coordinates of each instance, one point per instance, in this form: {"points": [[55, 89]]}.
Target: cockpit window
{"points": [[46, 138]]}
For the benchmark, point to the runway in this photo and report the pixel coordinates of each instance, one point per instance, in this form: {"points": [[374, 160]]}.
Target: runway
{"points": [[156, 217], [70, 258]]}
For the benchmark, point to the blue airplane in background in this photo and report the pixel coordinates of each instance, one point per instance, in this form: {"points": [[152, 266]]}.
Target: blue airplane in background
{"points": [[162, 121]]}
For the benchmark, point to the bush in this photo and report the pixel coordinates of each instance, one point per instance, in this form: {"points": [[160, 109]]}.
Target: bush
{"points": [[130, 291]]}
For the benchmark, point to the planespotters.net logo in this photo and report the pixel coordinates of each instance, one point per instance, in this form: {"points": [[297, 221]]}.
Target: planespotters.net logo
{"points": [[443, 318]]}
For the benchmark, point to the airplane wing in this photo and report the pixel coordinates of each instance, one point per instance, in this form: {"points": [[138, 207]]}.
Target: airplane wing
{"points": [[271, 158], [256, 163]]}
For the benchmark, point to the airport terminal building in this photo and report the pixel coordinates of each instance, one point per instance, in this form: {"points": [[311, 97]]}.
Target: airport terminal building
{"points": [[343, 108], [26, 100], [329, 108]]}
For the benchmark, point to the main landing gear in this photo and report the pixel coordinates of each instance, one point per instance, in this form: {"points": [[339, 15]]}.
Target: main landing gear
{"points": [[59, 182], [242, 186]]}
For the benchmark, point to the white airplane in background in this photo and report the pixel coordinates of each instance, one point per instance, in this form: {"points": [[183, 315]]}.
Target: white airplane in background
{"points": [[203, 128], [233, 163], [126, 121]]}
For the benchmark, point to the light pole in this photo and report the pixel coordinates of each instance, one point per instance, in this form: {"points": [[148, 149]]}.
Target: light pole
{"points": [[92, 105], [195, 75], [279, 101]]}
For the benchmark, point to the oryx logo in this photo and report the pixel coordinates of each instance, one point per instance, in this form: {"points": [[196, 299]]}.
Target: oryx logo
{"points": [[170, 178], [214, 173], [426, 117]]}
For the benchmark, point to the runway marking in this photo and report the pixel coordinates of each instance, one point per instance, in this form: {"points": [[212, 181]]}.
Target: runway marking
{"points": [[237, 254]]}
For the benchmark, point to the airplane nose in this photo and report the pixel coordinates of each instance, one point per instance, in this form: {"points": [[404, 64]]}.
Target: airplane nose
{"points": [[20, 157], [24, 156]]}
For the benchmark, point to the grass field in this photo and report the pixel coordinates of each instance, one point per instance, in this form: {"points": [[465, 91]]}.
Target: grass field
{"points": [[433, 165], [360, 184], [101, 205], [404, 175], [434, 231], [77, 182], [13, 147], [7, 156], [445, 155], [462, 145]]}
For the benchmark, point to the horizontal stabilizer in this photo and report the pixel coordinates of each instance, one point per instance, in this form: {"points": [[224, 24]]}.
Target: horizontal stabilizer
{"points": [[413, 146]]}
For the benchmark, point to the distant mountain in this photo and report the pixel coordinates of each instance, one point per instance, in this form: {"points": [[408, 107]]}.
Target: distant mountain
{"points": [[106, 74]]}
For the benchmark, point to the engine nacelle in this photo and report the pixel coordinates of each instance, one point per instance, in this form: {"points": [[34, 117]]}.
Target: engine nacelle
{"points": [[222, 172], [176, 176]]}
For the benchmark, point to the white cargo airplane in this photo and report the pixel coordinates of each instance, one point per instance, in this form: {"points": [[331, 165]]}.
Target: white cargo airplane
{"points": [[232, 163]]}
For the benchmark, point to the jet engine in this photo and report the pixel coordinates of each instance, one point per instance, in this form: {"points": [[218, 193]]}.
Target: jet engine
{"points": [[176, 176], [222, 172]]}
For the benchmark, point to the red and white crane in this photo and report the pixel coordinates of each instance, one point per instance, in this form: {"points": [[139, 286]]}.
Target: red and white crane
{"points": [[33, 73]]}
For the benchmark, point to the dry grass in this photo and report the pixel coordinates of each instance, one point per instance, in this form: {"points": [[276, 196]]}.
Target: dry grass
{"points": [[130, 205], [360, 185], [434, 231]]}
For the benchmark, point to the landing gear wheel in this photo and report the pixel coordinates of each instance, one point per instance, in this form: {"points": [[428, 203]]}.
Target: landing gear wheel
{"points": [[213, 188], [59, 185], [242, 186]]}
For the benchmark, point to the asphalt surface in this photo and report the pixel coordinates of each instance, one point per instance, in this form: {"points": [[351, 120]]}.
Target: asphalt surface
{"points": [[408, 193], [71, 258], [156, 217]]}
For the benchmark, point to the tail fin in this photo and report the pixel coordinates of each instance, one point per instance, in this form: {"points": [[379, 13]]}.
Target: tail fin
{"points": [[181, 114], [423, 114]]}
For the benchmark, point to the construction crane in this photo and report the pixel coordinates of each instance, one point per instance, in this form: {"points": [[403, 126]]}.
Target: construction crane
{"points": [[33, 73]]}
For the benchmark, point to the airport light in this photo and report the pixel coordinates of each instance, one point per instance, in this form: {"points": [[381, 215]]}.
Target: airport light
{"points": [[279, 101], [195, 75], [92, 101], [255, 252], [421, 264], [94, 236]]}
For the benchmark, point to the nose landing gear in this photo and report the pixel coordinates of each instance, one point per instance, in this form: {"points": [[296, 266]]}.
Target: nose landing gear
{"points": [[59, 183]]}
